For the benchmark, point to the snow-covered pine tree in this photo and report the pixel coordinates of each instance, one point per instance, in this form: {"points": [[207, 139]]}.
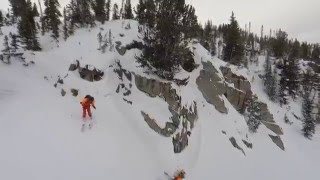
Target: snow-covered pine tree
{"points": [[52, 17], [115, 14], [308, 121], [99, 10], [253, 115], [6, 49], [108, 8], [279, 43], [65, 25], [128, 10]]}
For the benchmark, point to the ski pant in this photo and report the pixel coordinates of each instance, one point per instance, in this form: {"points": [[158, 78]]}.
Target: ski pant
{"points": [[86, 109]]}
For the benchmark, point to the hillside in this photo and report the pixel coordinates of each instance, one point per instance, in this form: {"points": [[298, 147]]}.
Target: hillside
{"points": [[137, 116]]}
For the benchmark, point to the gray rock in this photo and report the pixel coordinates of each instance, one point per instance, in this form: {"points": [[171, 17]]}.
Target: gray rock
{"points": [[90, 75], [240, 93], [277, 140], [63, 92], [249, 145], [166, 132], [212, 86], [121, 50], [273, 127], [74, 92], [235, 144]]}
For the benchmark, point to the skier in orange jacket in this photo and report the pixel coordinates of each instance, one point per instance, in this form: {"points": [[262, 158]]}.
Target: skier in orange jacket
{"points": [[180, 175], [86, 103]]}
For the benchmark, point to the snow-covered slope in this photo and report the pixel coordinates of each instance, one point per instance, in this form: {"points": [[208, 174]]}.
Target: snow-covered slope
{"points": [[40, 130]]}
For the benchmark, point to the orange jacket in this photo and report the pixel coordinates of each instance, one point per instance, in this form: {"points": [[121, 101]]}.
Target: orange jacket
{"points": [[86, 102], [178, 178]]}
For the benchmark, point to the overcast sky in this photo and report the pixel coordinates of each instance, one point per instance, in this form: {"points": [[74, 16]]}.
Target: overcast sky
{"points": [[300, 18]]}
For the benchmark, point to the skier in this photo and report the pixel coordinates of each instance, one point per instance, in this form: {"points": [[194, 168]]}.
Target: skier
{"points": [[180, 175], [86, 103]]}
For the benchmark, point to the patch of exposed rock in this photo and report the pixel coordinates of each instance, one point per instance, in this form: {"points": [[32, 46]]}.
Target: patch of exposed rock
{"points": [[181, 115], [239, 92], [212, 86], [277, 140], [87, 72]]}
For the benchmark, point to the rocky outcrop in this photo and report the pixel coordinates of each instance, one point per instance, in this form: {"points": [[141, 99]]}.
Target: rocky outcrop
{"points": [[87, 72], [212, 86], [74, 92], [167, 131], [181, 115], [273, 127], [90, 73], [239, 89], [277, 140]]}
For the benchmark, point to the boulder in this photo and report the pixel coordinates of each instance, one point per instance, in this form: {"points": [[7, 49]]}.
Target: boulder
{"points": [[74, 92], [273, 127], [63, 92]]}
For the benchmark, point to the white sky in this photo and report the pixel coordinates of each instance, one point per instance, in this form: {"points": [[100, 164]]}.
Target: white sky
{"points": [[300, 18]]}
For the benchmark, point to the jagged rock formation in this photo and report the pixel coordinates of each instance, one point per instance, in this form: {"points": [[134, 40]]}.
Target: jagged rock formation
{"points": [[212, 86], [277, 140], [181, 115], [87, 72]]}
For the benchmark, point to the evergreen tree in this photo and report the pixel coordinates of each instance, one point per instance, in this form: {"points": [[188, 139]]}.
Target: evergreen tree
{"points": [[128, 10], [27, 29], [52, 17], [293, 70], [100, 11], [1, 19], [283, 91], [141, 12], [6, 50], [208, 39], [308, 121], [35, 10], [150, 13], [316, 52], [305, 51], [115, 15], [14, 42], [18, 7], [279, 44], [234, 49], [65, 25], [191, 26], [270, 79], [253, 114], [108, 7], [165, 47]]}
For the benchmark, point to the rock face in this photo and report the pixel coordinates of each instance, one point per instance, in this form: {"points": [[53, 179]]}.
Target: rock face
{"points": [[277, 140], [181, 115], [241, 90], [212, 86], [87, 72]]}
